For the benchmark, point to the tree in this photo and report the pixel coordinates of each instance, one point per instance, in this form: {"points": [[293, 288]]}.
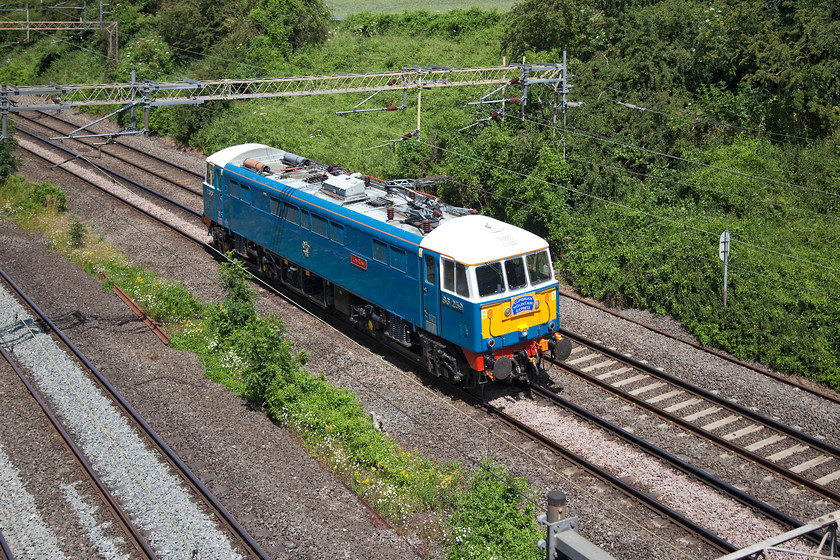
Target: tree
{"points": [[288, 25], [193, 26], [540, 26]]}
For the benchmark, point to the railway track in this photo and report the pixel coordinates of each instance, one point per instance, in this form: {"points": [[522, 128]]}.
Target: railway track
{"points": [[130, 531], [178, 186], [711, 538], [122, 188], [673, 461], [159, 496], [674, 516], [4, 548], [712, 351], [784, 451]]}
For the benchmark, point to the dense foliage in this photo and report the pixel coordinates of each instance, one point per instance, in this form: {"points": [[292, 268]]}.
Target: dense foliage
{"points": [[494, 519], [697, 117]]}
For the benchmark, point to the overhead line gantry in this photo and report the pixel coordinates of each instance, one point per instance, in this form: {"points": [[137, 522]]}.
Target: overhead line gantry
{"points": [[148, 94]]}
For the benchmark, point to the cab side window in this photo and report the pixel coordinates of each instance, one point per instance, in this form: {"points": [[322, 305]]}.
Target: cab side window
{"points": [[455, 277], [209, 175]]}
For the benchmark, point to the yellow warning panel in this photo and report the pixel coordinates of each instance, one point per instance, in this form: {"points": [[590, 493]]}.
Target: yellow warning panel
{"points": [[518, 313]]}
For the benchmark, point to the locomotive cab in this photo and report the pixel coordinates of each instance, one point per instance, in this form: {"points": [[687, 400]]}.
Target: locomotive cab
{"points": [[498, 296]]}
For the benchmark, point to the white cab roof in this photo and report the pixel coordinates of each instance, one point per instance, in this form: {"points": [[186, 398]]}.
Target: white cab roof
{"points": [[237, 154], [478, 239]]}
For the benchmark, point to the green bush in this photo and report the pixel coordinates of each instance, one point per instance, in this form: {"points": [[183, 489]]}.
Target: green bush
{"points": [[494, 518], [77, 233], [47, 195], [25, 198], [149, 56]]}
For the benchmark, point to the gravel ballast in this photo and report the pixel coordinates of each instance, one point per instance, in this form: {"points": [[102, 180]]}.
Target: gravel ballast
{"points": [[151, 494]]}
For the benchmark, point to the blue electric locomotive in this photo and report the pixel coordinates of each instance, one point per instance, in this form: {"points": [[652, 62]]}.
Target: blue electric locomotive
{"points": [[476, 298]]}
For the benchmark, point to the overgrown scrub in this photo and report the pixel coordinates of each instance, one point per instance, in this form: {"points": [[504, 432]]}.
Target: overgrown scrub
{"points": [[421, 23], [8, 162], [77, 233], [23, 198], [39, 206], [166, 302]]}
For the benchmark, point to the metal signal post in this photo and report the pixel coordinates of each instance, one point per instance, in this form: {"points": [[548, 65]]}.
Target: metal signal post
{"points": [[723, 252]]}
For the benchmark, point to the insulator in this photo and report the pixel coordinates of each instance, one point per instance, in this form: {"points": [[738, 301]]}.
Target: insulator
{"points": [[437, 213], [391, 108], [494, 114], [367, 181], [473, 211], [407, 136], [427, 226], [513, 100], [390, 212], [515, 80], [392, 82]]}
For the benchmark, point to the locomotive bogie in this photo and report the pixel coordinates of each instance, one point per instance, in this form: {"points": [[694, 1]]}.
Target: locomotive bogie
{"points": [[473, 297]]}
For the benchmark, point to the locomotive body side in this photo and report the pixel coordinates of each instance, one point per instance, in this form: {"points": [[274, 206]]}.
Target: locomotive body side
{"points": [[471, 295], [374, 261]]}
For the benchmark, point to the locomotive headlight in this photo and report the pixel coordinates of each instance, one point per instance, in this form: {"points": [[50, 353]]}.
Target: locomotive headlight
{"points": [[507, 311], [536, 304], [525, 332]]}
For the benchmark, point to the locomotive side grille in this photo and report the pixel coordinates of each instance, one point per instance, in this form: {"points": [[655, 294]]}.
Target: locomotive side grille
{"points": [[397, 328]]}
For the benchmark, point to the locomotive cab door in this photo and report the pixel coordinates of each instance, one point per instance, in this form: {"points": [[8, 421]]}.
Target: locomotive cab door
{"points": [[431, 293], [220, 198]]}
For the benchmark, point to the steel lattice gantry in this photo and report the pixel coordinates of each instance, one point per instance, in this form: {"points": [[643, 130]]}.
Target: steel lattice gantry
{"points": [[154, 94]]}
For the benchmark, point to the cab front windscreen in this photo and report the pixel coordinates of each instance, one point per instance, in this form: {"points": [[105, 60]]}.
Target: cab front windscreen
{"points": [[513, 274]]}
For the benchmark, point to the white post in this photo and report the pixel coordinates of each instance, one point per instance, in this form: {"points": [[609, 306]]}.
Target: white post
{"points": [[723, 252]]}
